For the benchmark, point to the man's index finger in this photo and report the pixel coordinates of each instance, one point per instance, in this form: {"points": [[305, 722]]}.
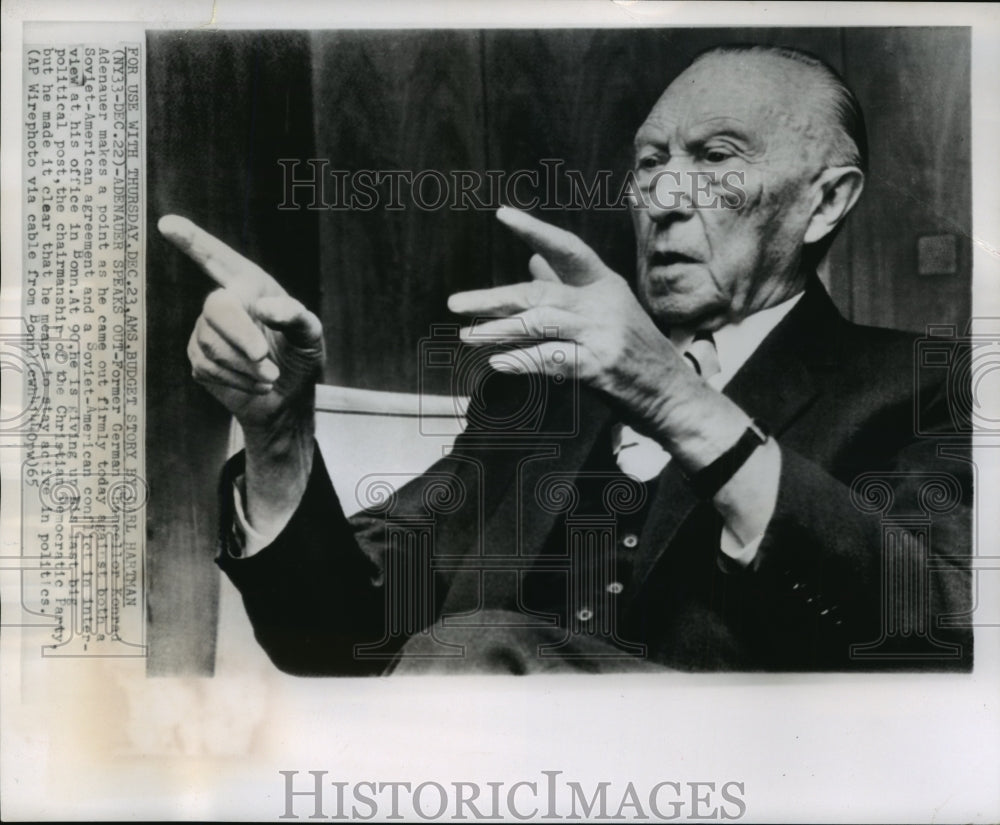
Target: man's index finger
{"points": [[574, 261], [221, 263]]}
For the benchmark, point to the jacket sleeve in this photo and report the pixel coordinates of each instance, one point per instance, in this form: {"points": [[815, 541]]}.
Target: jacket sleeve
{"points": [[312, 594]]}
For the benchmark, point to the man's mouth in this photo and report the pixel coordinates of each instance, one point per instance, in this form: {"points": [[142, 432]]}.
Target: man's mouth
{"points": [[670, 258]]}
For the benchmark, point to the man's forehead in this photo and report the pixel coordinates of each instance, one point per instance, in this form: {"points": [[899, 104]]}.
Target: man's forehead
{"points": [[749, 91]]}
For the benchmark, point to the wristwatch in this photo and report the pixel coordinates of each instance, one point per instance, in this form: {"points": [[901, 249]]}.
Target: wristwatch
{"points": [[709, 480]]}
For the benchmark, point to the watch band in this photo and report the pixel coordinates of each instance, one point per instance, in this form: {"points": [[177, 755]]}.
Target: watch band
{"points": [[709, 480]]}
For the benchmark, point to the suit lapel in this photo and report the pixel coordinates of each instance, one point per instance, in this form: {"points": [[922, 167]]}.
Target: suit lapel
{"points": [[519, 524], [518, 528], [774, 386]]}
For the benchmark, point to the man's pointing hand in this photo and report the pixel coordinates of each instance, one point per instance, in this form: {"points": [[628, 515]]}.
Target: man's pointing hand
{"points": [[254, 347]]}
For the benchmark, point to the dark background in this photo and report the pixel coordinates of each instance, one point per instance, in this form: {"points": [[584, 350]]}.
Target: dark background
{"points": [[223, 107]]}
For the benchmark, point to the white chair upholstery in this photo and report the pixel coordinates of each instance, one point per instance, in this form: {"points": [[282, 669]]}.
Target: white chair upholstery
{"points": [[363, 431]]}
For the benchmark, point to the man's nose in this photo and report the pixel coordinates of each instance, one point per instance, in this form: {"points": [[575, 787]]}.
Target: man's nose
{"points": [[666, 198]]}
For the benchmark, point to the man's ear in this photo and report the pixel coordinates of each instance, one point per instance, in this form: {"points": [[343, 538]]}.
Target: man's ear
{"points": [[838, 189]]}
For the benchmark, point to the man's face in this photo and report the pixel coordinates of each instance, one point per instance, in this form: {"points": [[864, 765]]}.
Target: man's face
{"points": [[747, 118]]}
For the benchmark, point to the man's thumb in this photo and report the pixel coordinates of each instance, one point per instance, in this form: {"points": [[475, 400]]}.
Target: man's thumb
{"points": [[289, 316]]}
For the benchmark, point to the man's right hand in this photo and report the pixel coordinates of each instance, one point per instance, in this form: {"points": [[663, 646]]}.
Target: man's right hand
{"points": [[259, 352], [254, 347]]}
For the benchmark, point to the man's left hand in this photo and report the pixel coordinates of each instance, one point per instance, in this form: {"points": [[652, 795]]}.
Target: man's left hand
{"points": [[574, 296]]}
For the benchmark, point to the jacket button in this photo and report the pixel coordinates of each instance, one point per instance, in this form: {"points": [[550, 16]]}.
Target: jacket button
{"points": [[616, 587], [585, 614], [630, 540]]}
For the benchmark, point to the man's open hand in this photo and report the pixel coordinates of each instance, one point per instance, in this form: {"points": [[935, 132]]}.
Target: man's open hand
{"points": [[254, 347], [620, 351]]}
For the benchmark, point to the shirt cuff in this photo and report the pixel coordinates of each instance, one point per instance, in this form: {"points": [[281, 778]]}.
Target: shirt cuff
{"points": [[737, 554], [245, 537], [736, 550]]}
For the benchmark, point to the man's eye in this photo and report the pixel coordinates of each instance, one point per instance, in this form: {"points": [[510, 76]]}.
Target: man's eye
{"points": [[717, 155], [647, 162]]}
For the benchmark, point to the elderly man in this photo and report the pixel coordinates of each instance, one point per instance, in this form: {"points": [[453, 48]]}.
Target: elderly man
{"points": [[726, 397]]}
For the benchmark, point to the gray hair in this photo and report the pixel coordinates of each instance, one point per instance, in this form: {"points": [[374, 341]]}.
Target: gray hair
{"points": [[849, 145]]}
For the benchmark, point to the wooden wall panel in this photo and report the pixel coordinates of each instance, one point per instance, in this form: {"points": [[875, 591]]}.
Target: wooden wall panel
{"points": [[914, 85], [546, 92], [396, 101]]}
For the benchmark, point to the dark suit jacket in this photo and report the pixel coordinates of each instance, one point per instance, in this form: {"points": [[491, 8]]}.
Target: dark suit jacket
{"points": [[864, 564]]}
